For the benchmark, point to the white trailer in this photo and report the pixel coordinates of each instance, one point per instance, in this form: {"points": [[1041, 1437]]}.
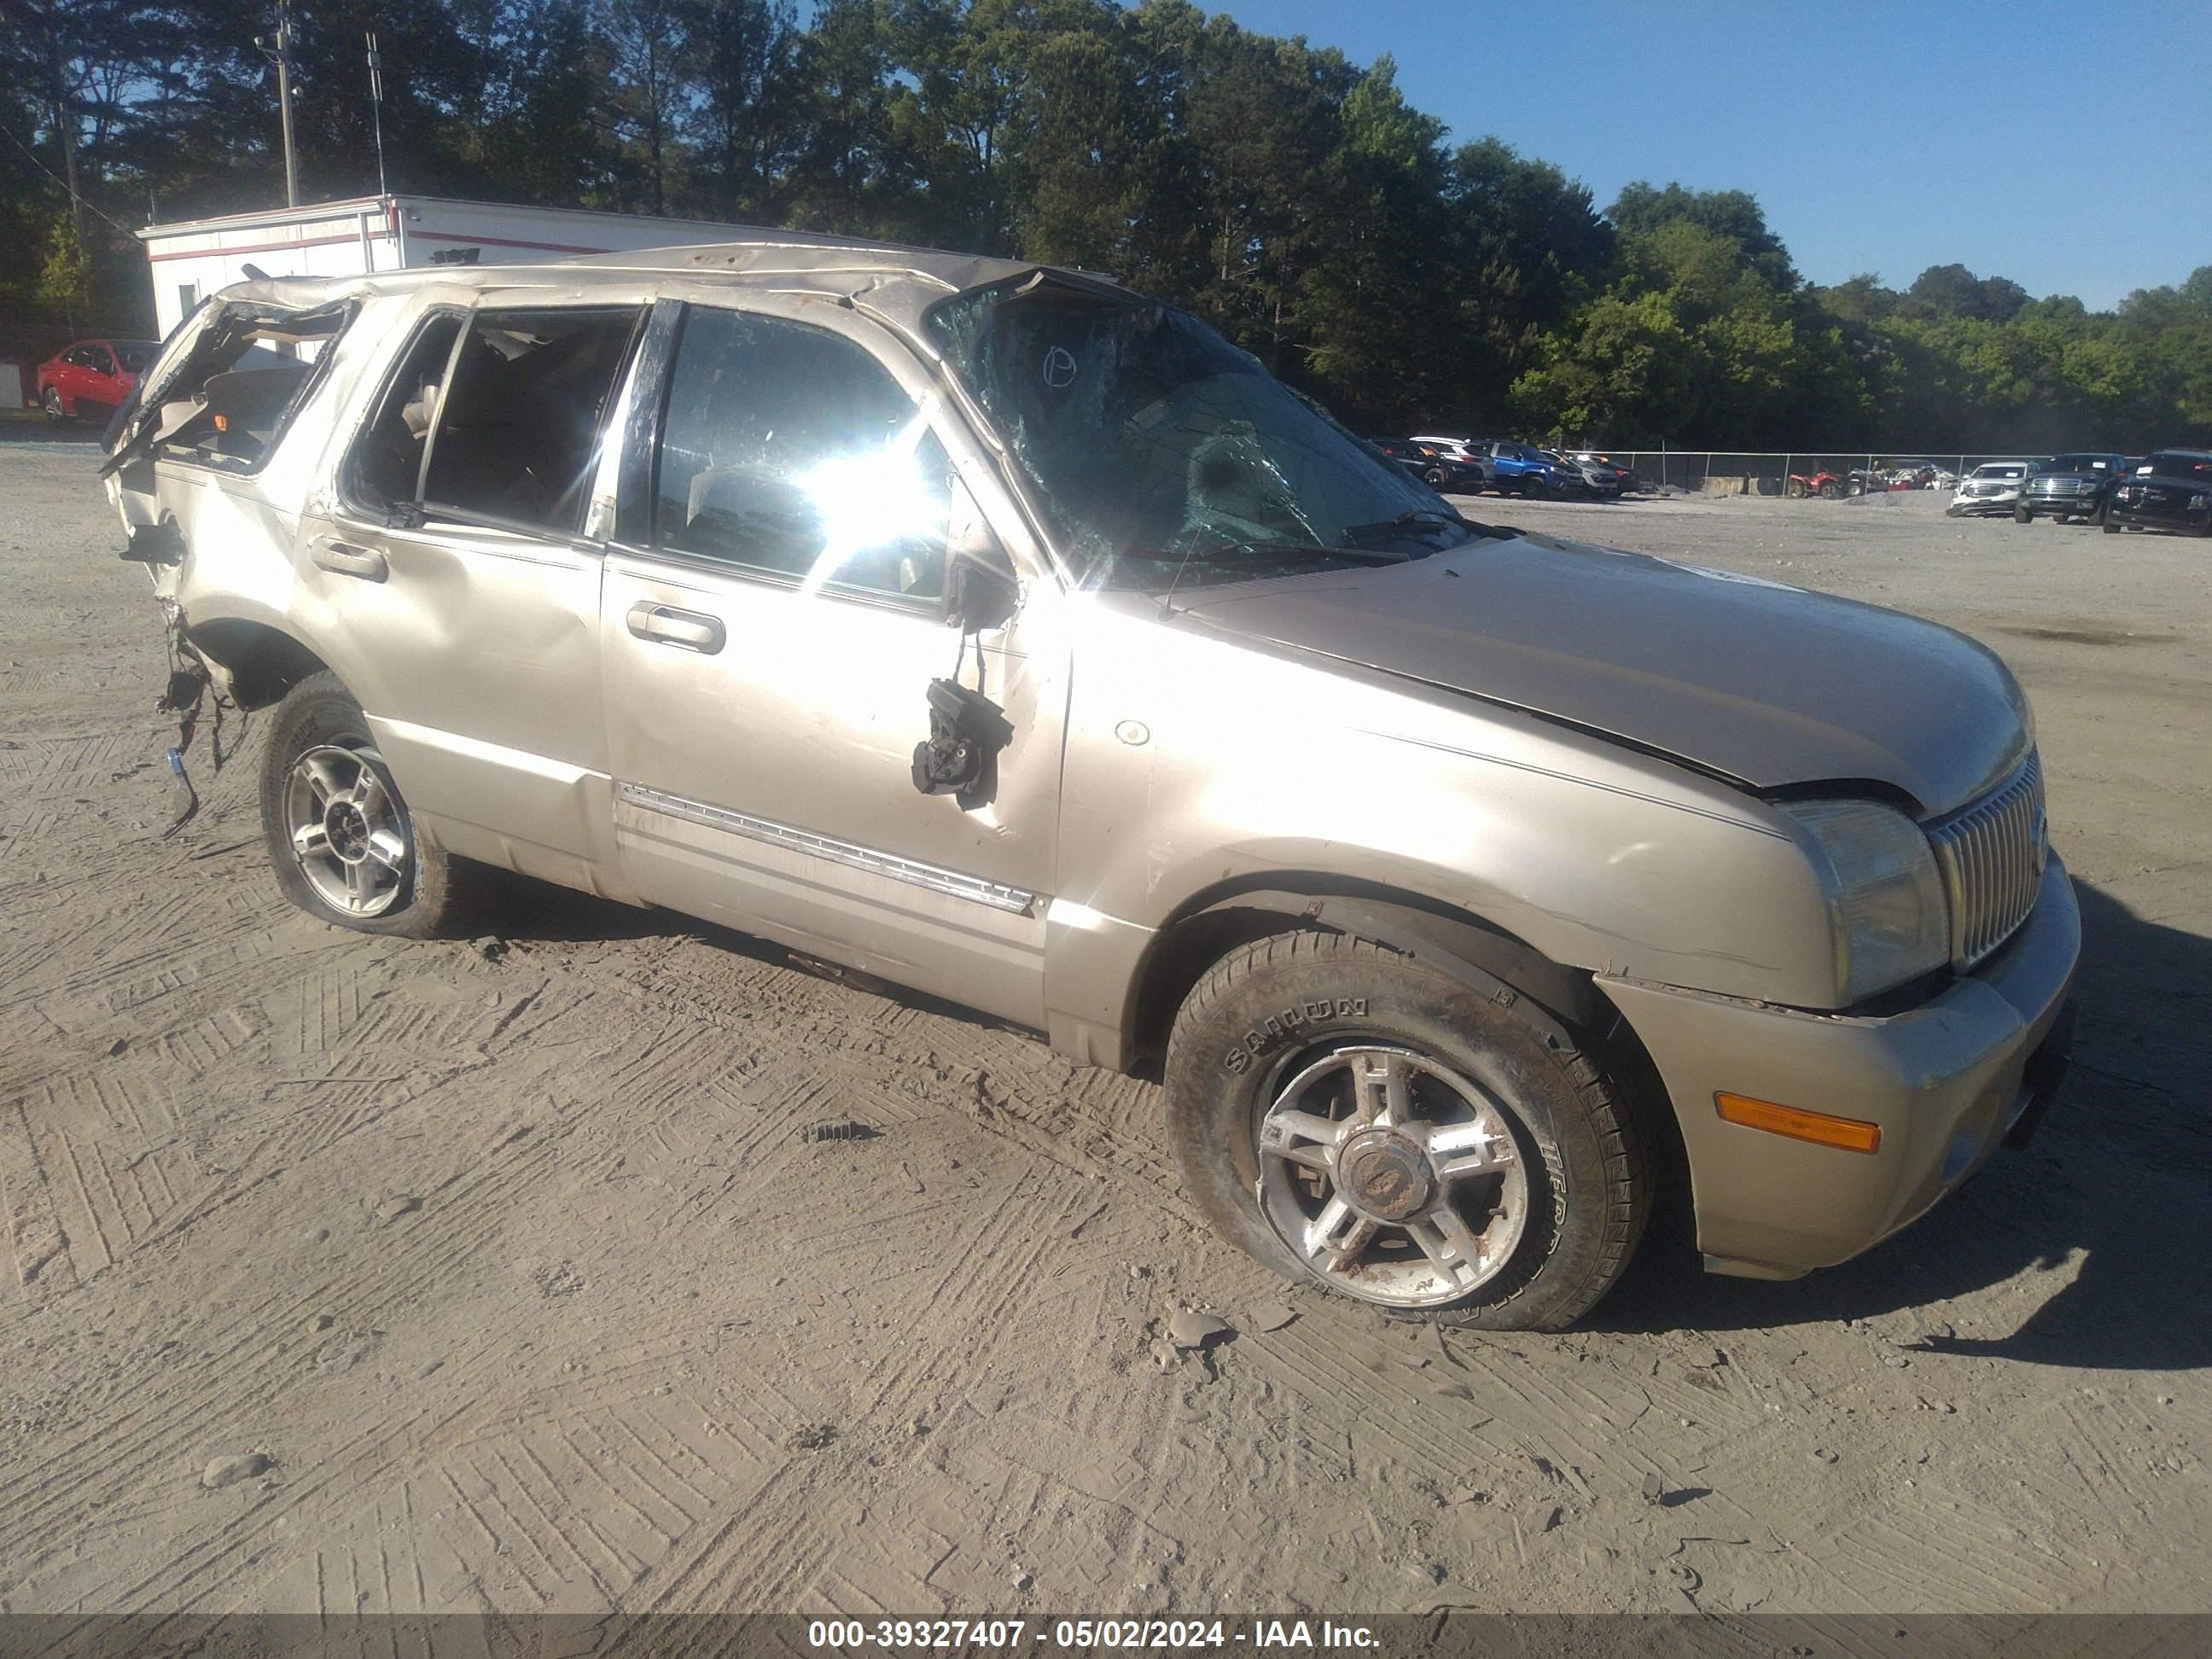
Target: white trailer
{"points": [[192, 259]]}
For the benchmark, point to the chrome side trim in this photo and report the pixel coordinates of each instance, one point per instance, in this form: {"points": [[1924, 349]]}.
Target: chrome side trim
{"points": [[1011, 900]]}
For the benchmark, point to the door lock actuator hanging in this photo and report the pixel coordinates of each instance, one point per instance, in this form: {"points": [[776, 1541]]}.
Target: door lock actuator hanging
{"points": [[967, 730], [960, 757]]}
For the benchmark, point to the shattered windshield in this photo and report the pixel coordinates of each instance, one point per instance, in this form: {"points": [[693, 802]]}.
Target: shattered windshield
{"points": [[1164, 456]]}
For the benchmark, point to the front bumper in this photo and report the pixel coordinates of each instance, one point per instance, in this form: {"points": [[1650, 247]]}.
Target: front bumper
{"points": [[1947, 1082], [2157, 518], [1976, 506], [2051, 506]]}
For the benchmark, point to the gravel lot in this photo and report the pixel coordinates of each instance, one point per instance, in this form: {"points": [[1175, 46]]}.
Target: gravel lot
{"points": [[503, 1273]]}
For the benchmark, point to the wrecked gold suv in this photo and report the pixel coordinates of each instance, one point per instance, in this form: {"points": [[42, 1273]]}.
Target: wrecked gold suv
{"points": [[1005, 634]]}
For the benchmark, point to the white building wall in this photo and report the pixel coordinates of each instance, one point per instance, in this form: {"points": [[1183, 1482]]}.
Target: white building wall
{"points": [[190, 260]]}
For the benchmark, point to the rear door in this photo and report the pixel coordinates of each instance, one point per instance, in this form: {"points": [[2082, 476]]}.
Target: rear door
{"points": [[771, 620], [458, 567]]}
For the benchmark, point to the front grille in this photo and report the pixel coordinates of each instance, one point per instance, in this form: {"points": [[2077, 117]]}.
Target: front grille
{"points": [[1992, 856]]}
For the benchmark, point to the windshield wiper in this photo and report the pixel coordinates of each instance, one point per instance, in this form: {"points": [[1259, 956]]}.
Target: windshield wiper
{"points": [[1316, 550], [1417, 519]]}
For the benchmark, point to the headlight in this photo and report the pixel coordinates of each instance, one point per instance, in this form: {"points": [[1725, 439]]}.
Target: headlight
{"points": [[1885, 896], [2200, 503]]}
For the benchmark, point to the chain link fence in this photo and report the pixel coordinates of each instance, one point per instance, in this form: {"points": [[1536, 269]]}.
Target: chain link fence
{"points": [[1768, 472]]}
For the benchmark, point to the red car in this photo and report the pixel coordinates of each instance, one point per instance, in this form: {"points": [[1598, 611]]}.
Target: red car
{"points": [[92, 378]]}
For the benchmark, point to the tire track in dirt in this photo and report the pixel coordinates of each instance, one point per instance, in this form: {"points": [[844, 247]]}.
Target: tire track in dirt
{"points": [[233, 1382]]}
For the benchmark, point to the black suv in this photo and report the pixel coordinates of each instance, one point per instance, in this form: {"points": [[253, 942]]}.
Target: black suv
{"points": [[2171, 490], [2072, 486]]}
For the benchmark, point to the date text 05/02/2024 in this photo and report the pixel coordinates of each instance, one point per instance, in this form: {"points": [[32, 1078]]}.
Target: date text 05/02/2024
{"points": [[1014, 1634]]}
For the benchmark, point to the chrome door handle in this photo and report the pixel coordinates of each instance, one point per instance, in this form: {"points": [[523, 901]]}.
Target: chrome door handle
{"points": [[664, 624], [344, 559]]}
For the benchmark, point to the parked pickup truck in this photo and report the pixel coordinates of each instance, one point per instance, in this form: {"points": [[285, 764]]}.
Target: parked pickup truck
{"points": [[1000, 633], [2171, 490], [2068, 486]]}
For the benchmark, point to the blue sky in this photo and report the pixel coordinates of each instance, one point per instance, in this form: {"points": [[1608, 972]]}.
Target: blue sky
{"points": [[2066, 146]]}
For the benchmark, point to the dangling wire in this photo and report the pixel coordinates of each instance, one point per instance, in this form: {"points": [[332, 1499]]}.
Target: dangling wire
{"points": [[960, 661], [185, 695]]}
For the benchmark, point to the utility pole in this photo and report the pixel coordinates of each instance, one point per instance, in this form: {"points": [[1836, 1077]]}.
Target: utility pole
{"points": [[277, 48]]}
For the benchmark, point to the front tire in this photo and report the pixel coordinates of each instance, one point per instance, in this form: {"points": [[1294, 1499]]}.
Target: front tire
{"points": [[52, 403], [1349, 1117], [345, 847]]}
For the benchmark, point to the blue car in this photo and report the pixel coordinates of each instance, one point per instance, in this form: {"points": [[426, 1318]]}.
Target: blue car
{"points": [[1522, 470]]}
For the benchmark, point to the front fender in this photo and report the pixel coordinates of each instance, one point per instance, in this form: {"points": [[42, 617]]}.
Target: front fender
{"points": [[1252, 766]]}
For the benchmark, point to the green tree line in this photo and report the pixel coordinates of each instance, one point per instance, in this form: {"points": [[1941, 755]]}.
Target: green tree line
{"points": [[1292, 198]]}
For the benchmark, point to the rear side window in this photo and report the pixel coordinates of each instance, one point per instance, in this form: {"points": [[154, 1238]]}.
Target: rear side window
{"points": [[227, 403], [387, 462], [518, 410], [790, 450]]}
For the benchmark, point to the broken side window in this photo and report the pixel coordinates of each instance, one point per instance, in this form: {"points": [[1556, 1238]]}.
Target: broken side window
{"points": [[518, 419], [385, 472], [227, 403]]}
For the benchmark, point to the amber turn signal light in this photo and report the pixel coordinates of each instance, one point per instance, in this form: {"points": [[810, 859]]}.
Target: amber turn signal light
{"points": [[1817, 1127]]}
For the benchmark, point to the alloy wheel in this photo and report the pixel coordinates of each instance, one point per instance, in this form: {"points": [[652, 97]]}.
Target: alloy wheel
{"points": [[347, 829], [1394, 1179]]}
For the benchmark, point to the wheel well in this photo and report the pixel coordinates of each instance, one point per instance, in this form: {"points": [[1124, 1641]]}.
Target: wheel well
{"points": [[1224, 920], [262, 663]]}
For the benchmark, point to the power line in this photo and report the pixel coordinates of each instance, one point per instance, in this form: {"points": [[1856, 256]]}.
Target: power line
{"points": [[33, 159]]}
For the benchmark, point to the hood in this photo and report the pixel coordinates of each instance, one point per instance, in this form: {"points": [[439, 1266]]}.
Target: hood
{"points": [[1766, 685]]}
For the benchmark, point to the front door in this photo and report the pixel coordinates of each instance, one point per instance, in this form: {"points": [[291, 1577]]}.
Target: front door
{"points": [[769, 640]]}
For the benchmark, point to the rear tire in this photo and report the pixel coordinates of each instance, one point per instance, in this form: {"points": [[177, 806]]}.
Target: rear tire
{"points": [[2111, 529], [2021, 515], [345, 847], [1794, 489], [1828, 490], [1523, 1180]]}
